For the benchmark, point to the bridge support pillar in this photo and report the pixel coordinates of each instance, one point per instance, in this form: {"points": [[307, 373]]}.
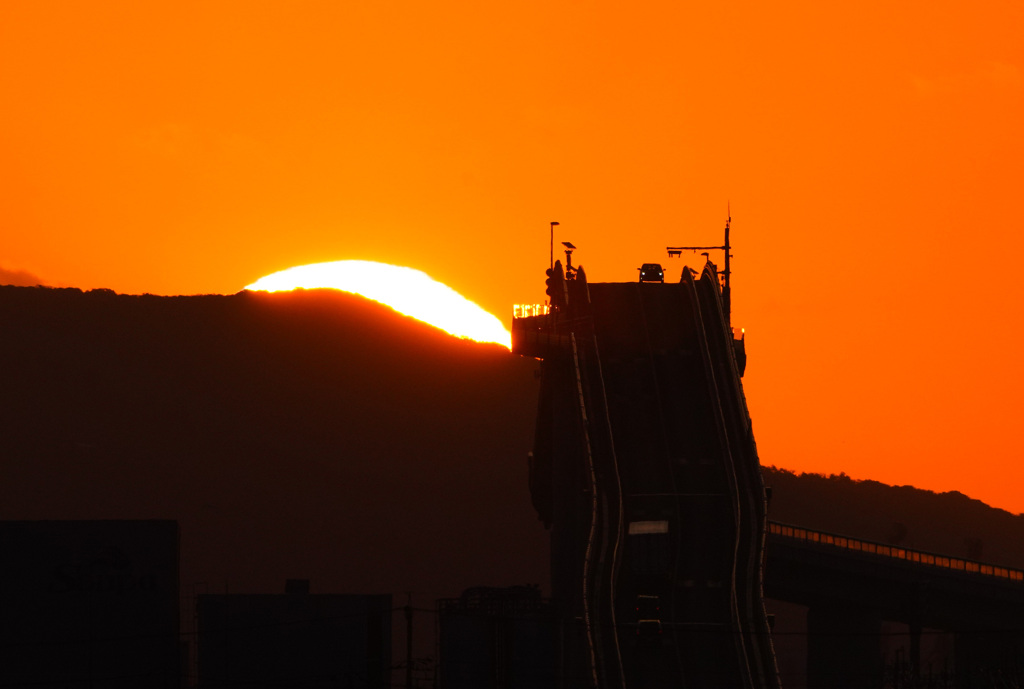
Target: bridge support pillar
{"points": [[843, 647], [915, 650]]}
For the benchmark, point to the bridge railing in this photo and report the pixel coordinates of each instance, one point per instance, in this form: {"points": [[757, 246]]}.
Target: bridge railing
{"points": [[956, 563]]}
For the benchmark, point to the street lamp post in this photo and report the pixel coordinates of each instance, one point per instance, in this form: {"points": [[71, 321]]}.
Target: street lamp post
{"points": [[552, 265]]}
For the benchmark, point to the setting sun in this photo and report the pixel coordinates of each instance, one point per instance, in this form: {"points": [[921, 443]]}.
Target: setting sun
{"points": [[406, 290]]}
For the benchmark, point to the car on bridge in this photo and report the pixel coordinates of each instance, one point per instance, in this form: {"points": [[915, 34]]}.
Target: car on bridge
{"points": [[651, 272], [648, 614]]}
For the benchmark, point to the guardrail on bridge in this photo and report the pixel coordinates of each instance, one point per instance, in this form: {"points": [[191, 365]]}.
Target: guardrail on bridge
{"points": [[917, 556]]}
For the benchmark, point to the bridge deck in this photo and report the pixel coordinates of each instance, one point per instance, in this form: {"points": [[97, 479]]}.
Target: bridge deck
{"points": [[923, 558]]}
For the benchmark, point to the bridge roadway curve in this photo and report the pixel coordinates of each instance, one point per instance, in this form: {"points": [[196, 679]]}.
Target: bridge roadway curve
{"points": [[646, 469]]}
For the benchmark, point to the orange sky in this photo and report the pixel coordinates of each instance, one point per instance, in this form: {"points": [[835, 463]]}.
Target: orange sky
{"points": [[872, 155]]}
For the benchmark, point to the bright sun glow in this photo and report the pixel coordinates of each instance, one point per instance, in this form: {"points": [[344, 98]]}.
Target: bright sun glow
{"points": [[406, 290]]}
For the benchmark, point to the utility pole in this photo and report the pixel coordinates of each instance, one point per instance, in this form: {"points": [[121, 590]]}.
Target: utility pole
{"points": [[408, 643]]}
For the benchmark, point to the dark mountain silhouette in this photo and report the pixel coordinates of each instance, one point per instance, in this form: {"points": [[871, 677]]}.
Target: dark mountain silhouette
{"points": [[315, 434], [947, 523], [311, 434]]}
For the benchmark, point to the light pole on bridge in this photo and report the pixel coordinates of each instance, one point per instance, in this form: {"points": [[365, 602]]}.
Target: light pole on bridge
{"points": [[727, 272]]}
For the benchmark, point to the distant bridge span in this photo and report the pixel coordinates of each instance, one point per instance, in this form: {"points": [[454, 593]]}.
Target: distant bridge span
{"points": [[850, 586], [784, 534]]}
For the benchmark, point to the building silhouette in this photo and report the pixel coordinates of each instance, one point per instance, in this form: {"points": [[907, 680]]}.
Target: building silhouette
{"points": [[497, 637], [294, 639], [89, 604]]}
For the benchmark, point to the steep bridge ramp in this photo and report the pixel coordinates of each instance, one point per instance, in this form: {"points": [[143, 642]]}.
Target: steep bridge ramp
{"points": [[646, 471]]}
